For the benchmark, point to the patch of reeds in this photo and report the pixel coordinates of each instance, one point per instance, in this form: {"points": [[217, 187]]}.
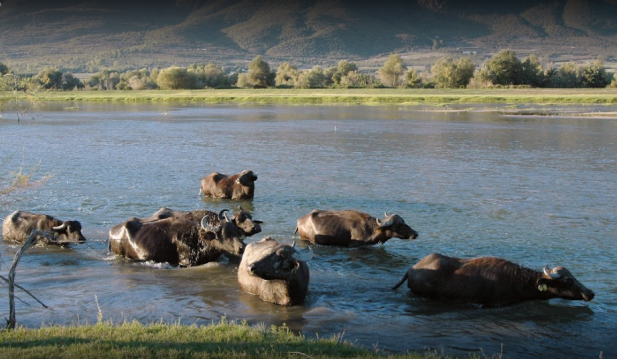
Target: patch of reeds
{"points": [[22, 179]]}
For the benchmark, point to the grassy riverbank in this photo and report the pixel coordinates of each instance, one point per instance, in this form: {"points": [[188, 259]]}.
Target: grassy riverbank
{"points": [[336, 96], [222, 340]]}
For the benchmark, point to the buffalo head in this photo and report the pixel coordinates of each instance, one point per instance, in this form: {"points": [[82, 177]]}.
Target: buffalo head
{"points": [[68, 232], [397, 227], [559, 282], [281, 262], [226, 236], [245, 222], [246, 178]]}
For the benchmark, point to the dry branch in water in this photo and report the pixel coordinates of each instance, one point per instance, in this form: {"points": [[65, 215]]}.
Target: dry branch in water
{"points": [[32, 238]]}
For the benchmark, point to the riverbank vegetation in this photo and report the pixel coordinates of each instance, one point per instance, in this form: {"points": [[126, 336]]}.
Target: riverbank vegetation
{"points": [[218, 340], [503, 70], [438, 99]]}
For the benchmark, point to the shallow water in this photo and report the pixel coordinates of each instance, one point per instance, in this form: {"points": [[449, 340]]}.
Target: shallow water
{"points": [[534, 190]]}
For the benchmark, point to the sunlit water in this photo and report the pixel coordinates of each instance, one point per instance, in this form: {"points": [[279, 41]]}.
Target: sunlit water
{"points": [[536, 191]]}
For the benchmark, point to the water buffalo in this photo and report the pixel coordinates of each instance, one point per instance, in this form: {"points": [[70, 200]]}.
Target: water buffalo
{"points": [[241, 218], [277, 273], [238, 186], [489, 281], [176, 239], [18, 225], [351, 228]]}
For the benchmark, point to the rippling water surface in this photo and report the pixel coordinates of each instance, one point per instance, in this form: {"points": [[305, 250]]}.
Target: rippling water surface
{"points": [[536, 191]]}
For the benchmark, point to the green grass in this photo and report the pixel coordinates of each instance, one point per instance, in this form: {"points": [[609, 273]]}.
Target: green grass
{"points": [[340, 96], [220, 340]]}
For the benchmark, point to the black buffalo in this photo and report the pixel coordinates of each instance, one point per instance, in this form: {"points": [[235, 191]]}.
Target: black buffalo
{"points": [[177, 238], [18, 225], [238, 186], [277, 273], [490, 281], [351, 228]]}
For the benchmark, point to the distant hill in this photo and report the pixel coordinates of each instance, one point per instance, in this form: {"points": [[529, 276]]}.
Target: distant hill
{"points": [[90, 35]]}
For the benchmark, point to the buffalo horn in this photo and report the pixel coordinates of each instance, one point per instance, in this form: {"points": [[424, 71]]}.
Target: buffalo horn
{"points": [[383, 224], [222, 215], [293, 245], [206, 227], [547, 272], [304, 256], [60, 227]]}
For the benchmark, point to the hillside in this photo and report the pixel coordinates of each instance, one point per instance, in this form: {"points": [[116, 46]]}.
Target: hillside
{"points": [[89, 35]]}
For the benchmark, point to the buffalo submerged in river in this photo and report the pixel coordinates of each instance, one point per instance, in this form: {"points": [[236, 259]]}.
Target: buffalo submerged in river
{"points": [[350, 228], [275, 272], [489, 281], [178, 238], [17, 226]]}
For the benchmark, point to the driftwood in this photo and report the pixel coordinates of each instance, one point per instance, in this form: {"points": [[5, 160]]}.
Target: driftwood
{"points": [[32, 239]]}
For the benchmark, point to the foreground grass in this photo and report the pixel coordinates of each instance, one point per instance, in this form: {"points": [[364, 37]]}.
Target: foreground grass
{"points": [[134, 340], [338, 96]]}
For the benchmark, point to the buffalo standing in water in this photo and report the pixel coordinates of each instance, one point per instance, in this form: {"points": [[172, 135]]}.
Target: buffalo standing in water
{"points": [[277, 273], [351, 228], [238, 186], [489, 281]]}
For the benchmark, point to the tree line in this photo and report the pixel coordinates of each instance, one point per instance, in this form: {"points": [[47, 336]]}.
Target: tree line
{"points": [[503, 69]]}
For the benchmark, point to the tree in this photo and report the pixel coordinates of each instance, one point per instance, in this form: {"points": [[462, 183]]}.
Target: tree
{"points": [[594, 75], [286, 75], [209, 75], [568, 75], [532, 72], [259, 74], [392, 71], [313, 78], [175, 78], [104, 80], [453, 74], [504, 68], [3, 69], [50, 78], [70, 82], [343, 69]]}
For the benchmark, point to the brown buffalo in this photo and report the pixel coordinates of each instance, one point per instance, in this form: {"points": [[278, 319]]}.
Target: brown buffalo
{"points": [[238, 186], [18, 225], [176, 239], [241, 218], [351, 228], [489, 281], [277, 273]]}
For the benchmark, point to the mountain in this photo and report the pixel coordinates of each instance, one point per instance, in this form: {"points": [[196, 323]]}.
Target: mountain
{"points": [[89, 35]]}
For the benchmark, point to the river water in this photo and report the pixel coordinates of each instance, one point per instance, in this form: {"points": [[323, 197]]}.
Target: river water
{"points": [[535, 190]]}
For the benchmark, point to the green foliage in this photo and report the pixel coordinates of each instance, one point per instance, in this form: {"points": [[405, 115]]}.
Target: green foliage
{"points": [[532, 72], [104, 80], [453, 74], [259, 75], [313, 78], [174, 78], [3, 69], [343, 69], [504, 68], [50, 78], [286, 75], [210, 75], [137, 80], [392, 71], [594, 75]]}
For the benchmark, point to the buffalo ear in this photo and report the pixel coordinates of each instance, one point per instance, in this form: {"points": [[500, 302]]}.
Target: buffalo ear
{"points": [[208, 236]]}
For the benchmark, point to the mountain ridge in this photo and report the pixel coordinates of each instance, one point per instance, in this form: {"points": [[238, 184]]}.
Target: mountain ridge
{"points": [[97, 34]]}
